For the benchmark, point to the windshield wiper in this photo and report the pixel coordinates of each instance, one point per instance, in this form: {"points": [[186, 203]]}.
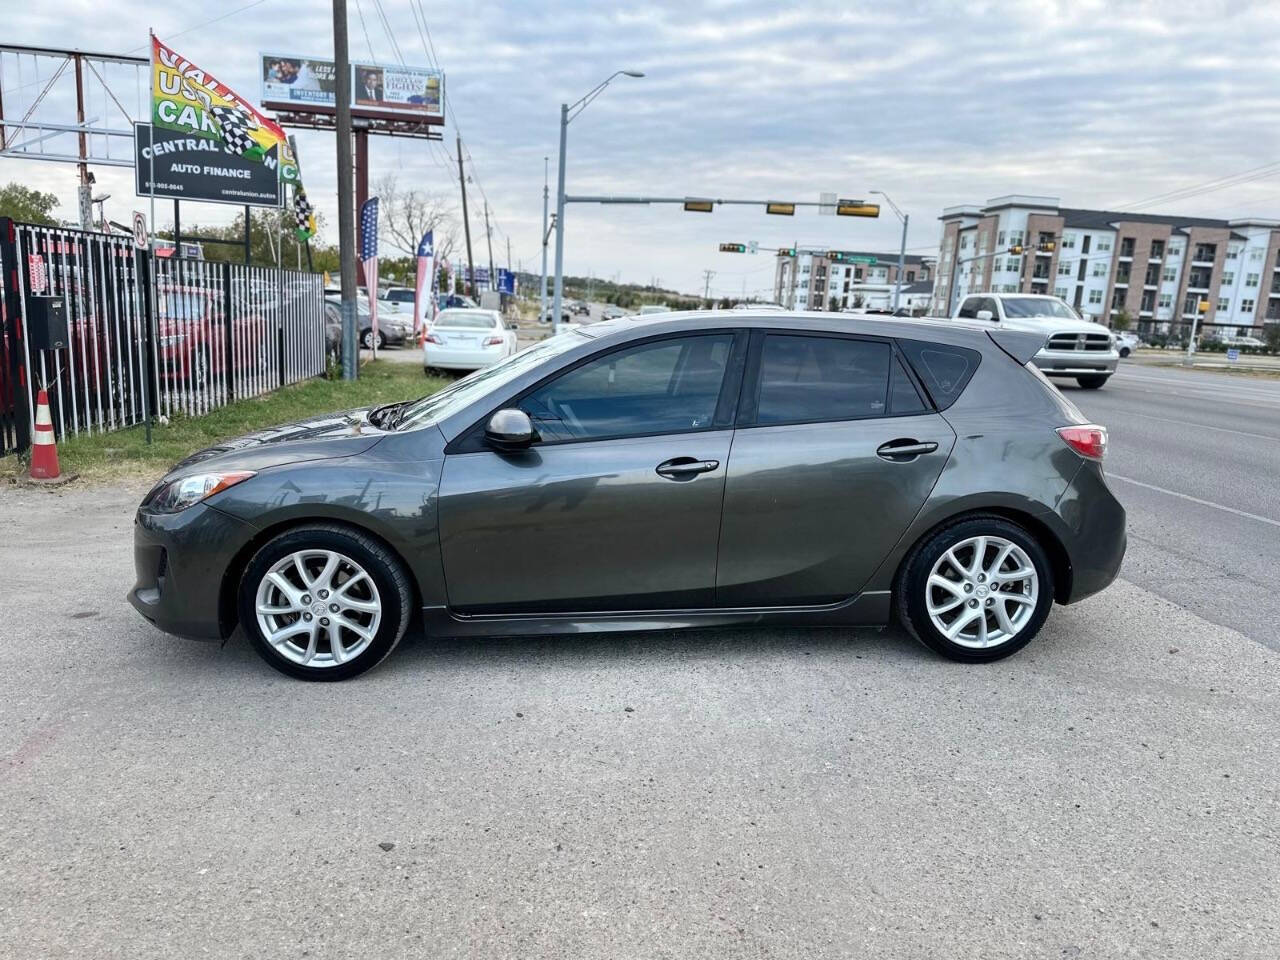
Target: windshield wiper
{"points": [[377, 414]]}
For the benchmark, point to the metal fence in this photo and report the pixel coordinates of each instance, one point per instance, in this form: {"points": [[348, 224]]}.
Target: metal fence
{"points": [[147, 335]]}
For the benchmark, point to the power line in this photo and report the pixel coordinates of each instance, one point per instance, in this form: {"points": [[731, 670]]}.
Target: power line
{"points": [[365, 27]]}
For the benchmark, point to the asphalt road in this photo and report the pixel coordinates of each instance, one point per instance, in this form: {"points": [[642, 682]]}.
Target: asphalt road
{"points": [[1195, 458], [1109, 792]]}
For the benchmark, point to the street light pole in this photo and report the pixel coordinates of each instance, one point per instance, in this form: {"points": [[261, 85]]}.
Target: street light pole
{"points": [[565, 108], [559, 286], [902, 250]]}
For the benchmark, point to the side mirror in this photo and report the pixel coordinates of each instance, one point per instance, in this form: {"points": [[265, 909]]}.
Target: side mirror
{"points": [[510, 429], [985, 316]]}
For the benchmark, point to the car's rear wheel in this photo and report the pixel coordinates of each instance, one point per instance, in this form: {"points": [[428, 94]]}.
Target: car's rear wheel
{"points": [[324, 602], [1124, 351], [1091, 383], [977, 590], [367, 339]]}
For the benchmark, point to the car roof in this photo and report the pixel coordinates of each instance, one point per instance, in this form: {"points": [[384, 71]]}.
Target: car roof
{"points": [[816, 321]]}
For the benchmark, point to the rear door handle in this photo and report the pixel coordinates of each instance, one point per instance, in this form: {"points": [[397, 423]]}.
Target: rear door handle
{"points": [[685, 468], [904, 449]]}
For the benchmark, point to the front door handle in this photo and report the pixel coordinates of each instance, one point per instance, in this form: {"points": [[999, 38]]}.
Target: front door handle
{"points": [[904, 449], [685, 468]]}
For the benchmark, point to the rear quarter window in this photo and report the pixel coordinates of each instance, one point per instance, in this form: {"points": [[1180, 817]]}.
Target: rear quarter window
{"points": [[943, 369]]}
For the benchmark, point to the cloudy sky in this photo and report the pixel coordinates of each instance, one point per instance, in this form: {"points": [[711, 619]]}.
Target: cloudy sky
{"points": [[1102, 104]]}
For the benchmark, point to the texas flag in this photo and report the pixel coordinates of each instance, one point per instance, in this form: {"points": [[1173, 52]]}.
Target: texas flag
{"points": [[369, 260], [423, 299]]}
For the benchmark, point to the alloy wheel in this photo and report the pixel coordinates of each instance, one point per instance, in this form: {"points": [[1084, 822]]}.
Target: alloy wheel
{"points": [[982, 592], [318, 608]]}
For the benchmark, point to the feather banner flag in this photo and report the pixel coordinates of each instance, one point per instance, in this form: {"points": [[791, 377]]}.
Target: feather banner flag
{"points": [[192, 100]]}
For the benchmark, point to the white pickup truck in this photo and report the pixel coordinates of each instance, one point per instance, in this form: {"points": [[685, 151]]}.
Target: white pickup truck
{"points": [[1073, 347]]}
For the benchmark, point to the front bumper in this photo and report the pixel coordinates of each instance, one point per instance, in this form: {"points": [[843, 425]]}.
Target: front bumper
{"points": [[180, 560], [1091, 526], [1074, 363]]}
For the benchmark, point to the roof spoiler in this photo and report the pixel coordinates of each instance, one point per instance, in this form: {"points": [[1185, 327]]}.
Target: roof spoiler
{"points": [[1019, 344]]}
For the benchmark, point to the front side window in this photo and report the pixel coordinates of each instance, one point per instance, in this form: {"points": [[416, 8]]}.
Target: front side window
{"points": [[807, 379], [664, 386]]}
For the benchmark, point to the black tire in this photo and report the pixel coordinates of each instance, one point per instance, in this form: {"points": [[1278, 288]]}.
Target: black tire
{"points": [[911, 587], [384, 568], [1125, 351], [366, 339], [1091, 383]]}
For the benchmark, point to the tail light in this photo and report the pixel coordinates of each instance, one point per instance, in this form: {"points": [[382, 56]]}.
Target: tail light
{"points": [[432, 338], [494, 342], [1088, 439]]}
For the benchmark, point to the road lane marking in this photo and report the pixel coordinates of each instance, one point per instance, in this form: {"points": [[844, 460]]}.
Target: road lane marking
{"points": [[1187, 496], [1227, 383], [1204, 426]]}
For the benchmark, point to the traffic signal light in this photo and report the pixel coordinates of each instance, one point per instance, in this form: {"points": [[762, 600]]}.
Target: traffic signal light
{"points": [[698, 206], [733, 248], [857, 208], [835, 255], [1046, 246], [1016, 249], [786, 251], [780, 209]]}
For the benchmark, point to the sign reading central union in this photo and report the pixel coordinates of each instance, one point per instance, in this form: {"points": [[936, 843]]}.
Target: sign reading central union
{"points": [[189, 167]]}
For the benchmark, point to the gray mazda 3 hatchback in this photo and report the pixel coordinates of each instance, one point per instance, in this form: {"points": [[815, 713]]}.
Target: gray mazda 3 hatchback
{"points": [[679, 470]]}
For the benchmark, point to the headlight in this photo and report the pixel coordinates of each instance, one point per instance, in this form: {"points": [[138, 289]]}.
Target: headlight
{"points": [[187, 491]]}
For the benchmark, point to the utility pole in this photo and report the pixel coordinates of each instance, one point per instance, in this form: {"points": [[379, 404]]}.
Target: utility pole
{"points": [[346, 202], [546, 235], [488, 236], [466, 223], [707, 275]]}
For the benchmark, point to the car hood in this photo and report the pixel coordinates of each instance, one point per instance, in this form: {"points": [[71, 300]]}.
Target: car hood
{"points": [[326, 437], [1053, 325]]}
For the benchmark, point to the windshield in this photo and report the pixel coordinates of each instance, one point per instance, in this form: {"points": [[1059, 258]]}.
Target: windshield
{"points": [[1021, 307], [466, 320], [462, 392]]}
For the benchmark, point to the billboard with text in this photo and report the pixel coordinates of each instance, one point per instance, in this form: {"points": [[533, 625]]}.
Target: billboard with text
{"points": [[391, 91]]}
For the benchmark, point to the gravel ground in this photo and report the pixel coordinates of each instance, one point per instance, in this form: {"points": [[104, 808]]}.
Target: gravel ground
{"points": [[1109, 792]]}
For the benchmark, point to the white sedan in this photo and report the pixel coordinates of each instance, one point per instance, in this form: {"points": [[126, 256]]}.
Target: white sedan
{"points": [[462, 339]]}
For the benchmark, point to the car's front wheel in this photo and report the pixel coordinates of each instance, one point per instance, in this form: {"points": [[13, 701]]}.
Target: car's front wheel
{"points": [[1124, 352], [1091, 383], [367, 339], [977, 590], [324, 602]]}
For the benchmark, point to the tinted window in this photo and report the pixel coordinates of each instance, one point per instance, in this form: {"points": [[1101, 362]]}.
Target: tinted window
{"points": [[666, 386], [400, 296], [466, 320], [806, 378], [969, 309], [904, 398], [943, 369]]}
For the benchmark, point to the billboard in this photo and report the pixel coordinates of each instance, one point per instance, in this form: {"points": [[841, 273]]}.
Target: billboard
{"points": [[380, 90], [196, 168]]}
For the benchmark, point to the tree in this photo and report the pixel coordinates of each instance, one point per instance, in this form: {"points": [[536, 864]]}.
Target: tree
{"points": [[1271, 334], [405, 215], [30, 206], [1121, 321]]}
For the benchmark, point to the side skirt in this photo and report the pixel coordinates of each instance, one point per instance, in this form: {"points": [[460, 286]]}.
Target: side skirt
{"points": [[868, 609]]}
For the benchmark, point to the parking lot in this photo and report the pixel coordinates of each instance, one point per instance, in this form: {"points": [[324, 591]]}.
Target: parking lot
{"points": [[1110, 791]]}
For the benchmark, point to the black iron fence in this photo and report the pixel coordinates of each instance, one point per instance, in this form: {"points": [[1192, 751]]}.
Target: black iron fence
{"points": [[147, 335]]}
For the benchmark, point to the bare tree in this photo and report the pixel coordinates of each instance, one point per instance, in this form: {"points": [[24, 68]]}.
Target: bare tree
{"points": [[407, 214]]}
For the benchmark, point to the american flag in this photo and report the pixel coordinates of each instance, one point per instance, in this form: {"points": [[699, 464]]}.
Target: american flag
{"points": [[369, 259]]}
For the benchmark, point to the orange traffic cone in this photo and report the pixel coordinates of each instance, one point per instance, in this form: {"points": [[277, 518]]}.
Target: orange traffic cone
{"points": [[44, 452]]}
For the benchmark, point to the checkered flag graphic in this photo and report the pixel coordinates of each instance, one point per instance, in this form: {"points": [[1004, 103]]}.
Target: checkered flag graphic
{"points": [[235, 125], [303, 213]]}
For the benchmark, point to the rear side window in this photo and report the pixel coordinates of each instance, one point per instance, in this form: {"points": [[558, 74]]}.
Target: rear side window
{"points": [[943, 369], [806, 379], [904, 398]]}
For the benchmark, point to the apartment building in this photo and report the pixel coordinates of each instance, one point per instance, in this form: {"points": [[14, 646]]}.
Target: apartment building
{"points": [[1158, 269], [812, 279]]}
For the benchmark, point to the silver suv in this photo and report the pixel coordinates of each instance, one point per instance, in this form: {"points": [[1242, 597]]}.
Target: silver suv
{"points": [[1073, 347]]}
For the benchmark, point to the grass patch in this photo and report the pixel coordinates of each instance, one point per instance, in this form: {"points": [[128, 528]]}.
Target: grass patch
{"points": [[125, 454]]}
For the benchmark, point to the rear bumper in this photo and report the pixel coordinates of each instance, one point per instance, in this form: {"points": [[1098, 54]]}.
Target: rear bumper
{"points": [[460, 359], [179, 560], [1072, 363], [1092, 531]]}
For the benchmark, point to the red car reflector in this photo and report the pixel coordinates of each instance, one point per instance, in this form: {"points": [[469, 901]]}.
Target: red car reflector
{"points": [[1089, 440], [432, 338], [493, 342]]}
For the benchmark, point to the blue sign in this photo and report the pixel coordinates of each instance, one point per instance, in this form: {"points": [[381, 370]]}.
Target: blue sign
{"points": [[506, 282], [1233, 354]]}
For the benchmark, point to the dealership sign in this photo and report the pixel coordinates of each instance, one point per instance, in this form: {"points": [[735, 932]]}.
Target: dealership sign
{"points": [[311, 84], [189, 167]]}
